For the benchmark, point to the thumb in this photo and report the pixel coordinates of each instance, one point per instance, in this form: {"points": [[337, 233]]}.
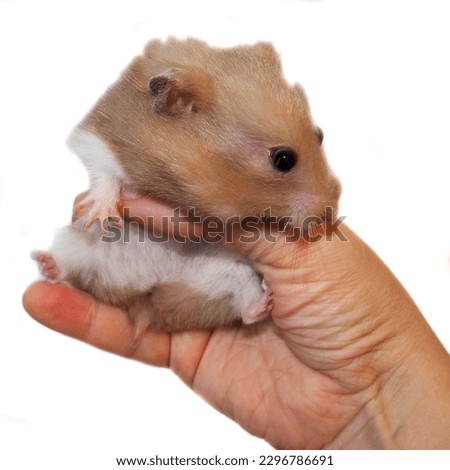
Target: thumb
{"points": [[160, 218], [261, 243]]}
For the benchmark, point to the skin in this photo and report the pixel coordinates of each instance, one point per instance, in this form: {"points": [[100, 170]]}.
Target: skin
{"points": [[346, 362]]}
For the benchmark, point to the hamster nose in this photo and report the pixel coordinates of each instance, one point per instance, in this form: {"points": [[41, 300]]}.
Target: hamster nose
{"points": [[320, 136]]}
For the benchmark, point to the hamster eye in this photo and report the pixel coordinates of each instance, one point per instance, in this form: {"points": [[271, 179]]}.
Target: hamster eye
{"points": [[319, 133], [283, 159], [157, 84]]}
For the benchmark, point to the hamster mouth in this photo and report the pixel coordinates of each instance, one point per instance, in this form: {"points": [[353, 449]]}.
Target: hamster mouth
{"points": [[305, 222], [312, 220], [267, 219]]}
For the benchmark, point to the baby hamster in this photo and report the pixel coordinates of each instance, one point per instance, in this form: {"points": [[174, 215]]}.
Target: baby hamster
{"points": [[192, 125]]}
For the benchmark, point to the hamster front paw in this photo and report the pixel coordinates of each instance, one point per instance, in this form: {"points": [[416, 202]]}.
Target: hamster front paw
{"points": [[260, 309], [47, 265], [99, 209]]}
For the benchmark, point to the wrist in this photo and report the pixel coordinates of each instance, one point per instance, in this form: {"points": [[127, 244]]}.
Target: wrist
{"points": [[416, 394], [408, 405]]}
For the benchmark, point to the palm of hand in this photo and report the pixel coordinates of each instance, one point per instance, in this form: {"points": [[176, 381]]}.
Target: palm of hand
{"points": [[256, 379]]}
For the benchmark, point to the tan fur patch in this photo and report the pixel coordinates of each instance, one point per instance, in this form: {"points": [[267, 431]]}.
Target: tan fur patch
{"points": [[175, 306], [226, 109]]}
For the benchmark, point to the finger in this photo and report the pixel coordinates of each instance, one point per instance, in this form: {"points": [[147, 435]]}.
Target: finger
{"points": [[77, 314], [254, 240], [159, 217], [163, 218]]}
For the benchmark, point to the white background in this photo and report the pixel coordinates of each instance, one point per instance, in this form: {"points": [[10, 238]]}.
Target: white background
{"points": [[377, 75]]}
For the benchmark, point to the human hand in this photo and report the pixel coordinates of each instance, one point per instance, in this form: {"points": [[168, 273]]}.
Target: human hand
{"points": [[325, 372]]}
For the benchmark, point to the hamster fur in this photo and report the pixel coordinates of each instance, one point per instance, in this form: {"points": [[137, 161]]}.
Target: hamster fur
{"points": [[185, 123], [164, 285]]}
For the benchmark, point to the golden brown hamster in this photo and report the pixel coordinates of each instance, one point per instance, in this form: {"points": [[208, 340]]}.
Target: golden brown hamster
{"points": [[217, 129]]}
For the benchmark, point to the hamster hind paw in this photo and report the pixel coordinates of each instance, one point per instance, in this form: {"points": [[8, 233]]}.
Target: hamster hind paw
{"points": [[259, 309], [47, 265]]}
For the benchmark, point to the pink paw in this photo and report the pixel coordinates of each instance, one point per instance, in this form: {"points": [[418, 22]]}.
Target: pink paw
{"points": [[260, 309], [47, 265], [96, 210]]}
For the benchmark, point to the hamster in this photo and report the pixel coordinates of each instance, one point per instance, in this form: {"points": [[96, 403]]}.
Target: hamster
{"points": [[217, 129]]}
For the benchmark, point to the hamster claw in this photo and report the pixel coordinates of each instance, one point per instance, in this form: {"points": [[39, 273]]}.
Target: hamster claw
{"points": [[260, 309], [99, 211], [103, 218]]}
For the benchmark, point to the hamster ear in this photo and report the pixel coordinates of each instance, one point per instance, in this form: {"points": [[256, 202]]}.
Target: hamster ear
{"points": [[179, 92], [269, 54]]}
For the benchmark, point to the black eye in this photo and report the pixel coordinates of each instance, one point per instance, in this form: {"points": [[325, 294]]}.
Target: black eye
{"points": [[283, 159], [319, 133]]}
